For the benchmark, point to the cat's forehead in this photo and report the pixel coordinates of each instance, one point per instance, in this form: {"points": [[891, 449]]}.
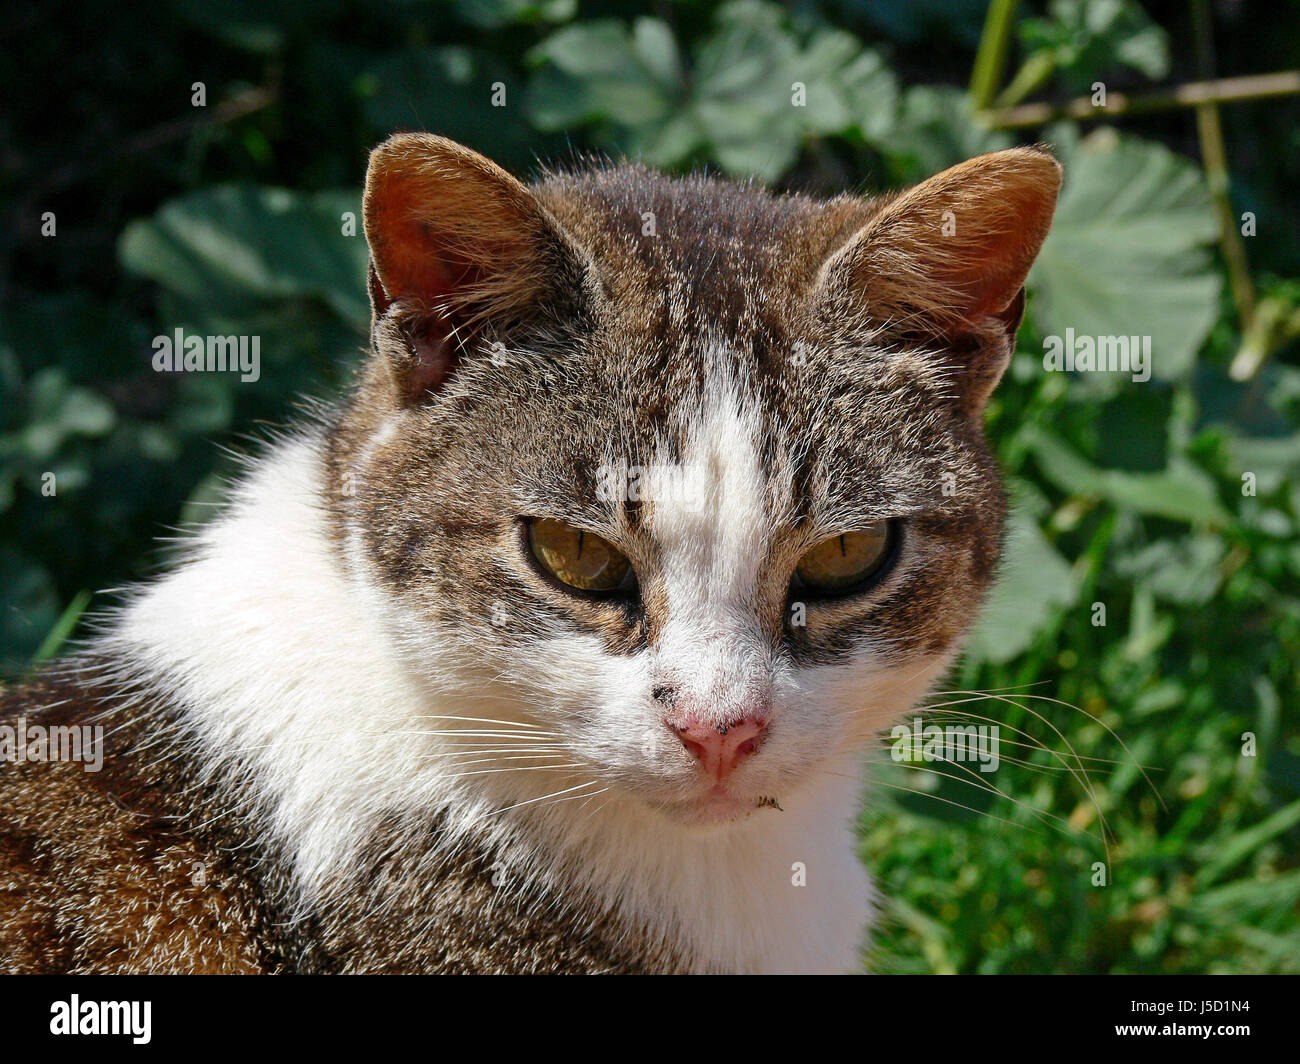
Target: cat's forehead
{"points": [[692, 251], [703, 304]]}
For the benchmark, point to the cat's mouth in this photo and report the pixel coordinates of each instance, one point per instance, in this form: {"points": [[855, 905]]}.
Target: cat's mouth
{"points": [[719, 805]]}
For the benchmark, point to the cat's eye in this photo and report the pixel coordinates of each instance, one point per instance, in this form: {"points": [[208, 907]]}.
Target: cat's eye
{"points": [[845, 563], [578, 558]]}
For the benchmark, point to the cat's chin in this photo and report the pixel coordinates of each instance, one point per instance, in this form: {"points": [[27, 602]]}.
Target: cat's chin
{"points": [[715, 808]]}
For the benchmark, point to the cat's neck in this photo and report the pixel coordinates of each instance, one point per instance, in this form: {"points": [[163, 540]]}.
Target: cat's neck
{"points": [[277, 649]]}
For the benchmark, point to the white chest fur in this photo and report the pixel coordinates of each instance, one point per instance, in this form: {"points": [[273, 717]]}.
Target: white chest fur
{"points": [[280, 654]]}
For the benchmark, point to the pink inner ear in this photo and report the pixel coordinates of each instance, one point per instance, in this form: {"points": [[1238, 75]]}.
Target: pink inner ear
{"points": [[1000, 258], [411, 261], [992, 274], [442, 231]]}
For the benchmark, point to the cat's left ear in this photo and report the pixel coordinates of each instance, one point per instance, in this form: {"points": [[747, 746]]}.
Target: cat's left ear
{"points": [[946, 262]]}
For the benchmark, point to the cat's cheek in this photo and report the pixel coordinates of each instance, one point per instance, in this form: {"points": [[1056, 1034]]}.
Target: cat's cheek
{"points": [[865, 695]]}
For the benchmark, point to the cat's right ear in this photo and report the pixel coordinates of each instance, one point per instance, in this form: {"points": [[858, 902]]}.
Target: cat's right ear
{"points": [[457, 245]]}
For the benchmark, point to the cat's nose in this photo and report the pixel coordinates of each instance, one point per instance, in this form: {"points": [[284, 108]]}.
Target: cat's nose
{"points": [[720, 748]]}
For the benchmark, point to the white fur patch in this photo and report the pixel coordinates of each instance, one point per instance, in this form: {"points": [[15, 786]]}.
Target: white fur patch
{"points": [[713, 537], [297, 662]]}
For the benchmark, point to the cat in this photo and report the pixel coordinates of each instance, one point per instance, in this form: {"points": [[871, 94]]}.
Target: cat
{"points": [[556, 645]]}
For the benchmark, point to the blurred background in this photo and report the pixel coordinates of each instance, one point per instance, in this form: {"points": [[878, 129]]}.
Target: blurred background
{"points": [[182, 164]]}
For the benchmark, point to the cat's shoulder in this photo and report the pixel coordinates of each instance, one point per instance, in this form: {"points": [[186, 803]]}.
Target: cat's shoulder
{"points": [[96, 872]]}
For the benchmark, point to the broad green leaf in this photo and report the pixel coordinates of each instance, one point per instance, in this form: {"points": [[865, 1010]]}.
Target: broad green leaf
{"points": [[1185, 571], [935, 130], [760, 89], [58, 410], [756, 91], [237, 246], [605, 71], [869, 91], [1272, 461], [1086, 39], [1180, 492], [1127, 254]]}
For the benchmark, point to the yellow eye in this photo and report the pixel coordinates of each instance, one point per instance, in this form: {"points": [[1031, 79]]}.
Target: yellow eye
{"points": [[578, 558], [842, 563]]}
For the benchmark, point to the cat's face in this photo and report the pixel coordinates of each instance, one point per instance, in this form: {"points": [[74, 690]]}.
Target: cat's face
{"points": [[678, 486]]}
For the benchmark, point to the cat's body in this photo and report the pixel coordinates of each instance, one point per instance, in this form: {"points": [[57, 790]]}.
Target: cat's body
{"points": [[359, 728]]}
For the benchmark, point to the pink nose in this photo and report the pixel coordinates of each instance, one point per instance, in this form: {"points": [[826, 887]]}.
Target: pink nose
{"points": [[721, 748]]}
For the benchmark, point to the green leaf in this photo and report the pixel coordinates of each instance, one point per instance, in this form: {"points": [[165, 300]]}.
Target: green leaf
{"points": [[1086, 39], [1127, 252], [1035, 583], [63, 628], [494, 14], [59, 410], [1180, 492], [761, 89], [1184, 571], [1272, 460], [935, 130], [1247, 841], [757, 90], [239, 245], [604, 71]]}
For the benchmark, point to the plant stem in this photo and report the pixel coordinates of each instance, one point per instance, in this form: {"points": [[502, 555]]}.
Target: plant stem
{"points": [[63, 627], [1193, 94], [991, 59], [1214, 155]]}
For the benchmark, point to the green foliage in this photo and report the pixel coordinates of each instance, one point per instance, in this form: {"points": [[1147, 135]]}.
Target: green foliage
{"points": [[1128, 253], [732, 105], [1084, 40], [229, 250], [1149, 611]]}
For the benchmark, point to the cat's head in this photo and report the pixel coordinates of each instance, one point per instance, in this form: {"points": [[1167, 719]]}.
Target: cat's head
{"points": [[690, 474]]}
